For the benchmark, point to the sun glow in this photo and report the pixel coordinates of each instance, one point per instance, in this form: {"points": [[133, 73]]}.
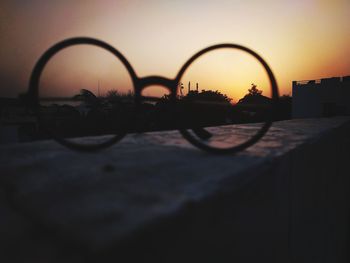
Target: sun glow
{"points": [[229, 71], [302, 39]]}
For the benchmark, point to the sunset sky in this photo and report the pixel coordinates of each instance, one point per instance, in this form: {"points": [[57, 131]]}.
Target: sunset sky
{"points": [[300, 40]]}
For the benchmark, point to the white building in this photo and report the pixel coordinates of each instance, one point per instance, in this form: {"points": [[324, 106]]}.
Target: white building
{"points": [[321, 98]]}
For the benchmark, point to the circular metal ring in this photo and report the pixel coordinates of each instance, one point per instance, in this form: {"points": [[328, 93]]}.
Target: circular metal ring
{"points": [[275, 98], [33, 92]]}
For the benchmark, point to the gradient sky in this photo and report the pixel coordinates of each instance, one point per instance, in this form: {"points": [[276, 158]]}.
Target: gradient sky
{"points": [[300, 40]]}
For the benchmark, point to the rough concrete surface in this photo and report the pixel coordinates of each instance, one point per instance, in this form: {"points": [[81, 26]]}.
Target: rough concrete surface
{"points": [[58, 205]]}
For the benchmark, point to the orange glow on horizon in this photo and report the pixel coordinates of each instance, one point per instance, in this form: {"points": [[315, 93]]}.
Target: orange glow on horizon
{"points": [[301, 39]]}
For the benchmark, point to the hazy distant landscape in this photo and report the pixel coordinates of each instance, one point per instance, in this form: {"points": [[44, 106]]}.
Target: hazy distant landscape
{"points": [[86, 114]]}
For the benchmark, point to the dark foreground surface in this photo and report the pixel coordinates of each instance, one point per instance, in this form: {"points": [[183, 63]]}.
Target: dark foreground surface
{"points": [[155, 198]]}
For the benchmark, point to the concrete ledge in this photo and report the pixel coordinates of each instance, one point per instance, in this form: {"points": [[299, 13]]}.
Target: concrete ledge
{"points": [[149, 198]]}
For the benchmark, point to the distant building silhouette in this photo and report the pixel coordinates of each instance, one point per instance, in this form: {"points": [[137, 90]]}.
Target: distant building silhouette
{"points": [[189, 87], [321, 98]]}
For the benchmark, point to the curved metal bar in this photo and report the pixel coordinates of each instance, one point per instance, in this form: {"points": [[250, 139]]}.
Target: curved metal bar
{"points": [[275, 98], [41, 63], [157, 80], [32, 97], [171, 85], [140, 83]]}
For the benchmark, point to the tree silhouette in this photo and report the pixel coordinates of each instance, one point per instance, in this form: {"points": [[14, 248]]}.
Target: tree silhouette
{"points": [[255, 96], [208, 95], [253, 91], [114, 96]]}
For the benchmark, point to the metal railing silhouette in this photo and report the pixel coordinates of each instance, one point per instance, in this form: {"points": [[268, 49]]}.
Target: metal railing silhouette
{"points": [[197, 137]]}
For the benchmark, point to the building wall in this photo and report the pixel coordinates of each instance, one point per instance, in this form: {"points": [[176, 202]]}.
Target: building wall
{"points": [[321, 98]]}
